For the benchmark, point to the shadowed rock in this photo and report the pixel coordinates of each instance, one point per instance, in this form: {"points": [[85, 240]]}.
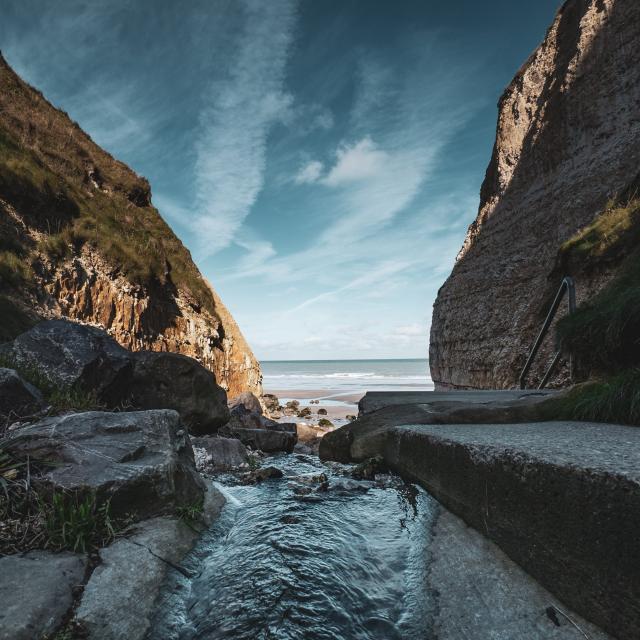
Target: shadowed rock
{"points": [[82, 357], [74, 355], [142, 461], [17, 397], [172, 381]]}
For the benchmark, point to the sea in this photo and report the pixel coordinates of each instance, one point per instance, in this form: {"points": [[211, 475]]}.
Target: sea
{"points": [[346, 376]]}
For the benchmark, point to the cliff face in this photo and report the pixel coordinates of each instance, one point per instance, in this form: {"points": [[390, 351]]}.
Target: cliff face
{"points": [[80, 238], [568, 141]]}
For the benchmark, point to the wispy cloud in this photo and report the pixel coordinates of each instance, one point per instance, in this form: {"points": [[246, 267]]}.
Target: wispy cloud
{"points": [[309, 172], [359, 161], [235, 124]]}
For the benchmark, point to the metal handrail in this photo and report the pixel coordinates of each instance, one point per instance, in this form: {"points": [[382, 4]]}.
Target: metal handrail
{"points": [[567, 286]]}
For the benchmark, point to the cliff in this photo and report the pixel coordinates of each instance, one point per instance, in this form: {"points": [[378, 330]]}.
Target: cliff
{"points": [[566, 154], [80, 238]]}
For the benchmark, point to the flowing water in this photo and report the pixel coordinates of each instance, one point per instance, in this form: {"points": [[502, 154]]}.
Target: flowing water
{"points": [[287, 561]]}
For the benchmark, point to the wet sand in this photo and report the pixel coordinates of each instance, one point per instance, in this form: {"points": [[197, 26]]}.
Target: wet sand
{"points": [[338, 404]]}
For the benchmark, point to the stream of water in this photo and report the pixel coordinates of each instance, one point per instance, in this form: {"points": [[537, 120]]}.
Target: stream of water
{"points": [[287, 561]]}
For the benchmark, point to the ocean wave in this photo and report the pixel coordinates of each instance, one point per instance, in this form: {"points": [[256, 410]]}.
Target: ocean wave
{"points": [[346, 375]]}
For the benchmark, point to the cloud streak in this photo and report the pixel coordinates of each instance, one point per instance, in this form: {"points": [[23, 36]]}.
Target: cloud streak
{"points": [[242, 108]]}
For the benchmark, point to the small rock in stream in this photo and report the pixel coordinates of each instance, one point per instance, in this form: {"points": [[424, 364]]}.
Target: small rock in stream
{"points": [[258, 475]]}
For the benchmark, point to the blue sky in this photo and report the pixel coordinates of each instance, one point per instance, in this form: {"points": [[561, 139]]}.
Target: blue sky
{"points": [[321, 159]]}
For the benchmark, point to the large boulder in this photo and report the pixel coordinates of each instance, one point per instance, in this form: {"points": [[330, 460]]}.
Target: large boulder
{"points": [[267, 440], [18, 398], [221, 453], [69, 354], [172, 381], [36, 592], [142, 461], [248, 401], [74, 355]]}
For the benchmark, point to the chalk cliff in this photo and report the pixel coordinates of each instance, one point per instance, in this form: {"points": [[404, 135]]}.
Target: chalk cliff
{"points": [[567, 142], [80, 238]]}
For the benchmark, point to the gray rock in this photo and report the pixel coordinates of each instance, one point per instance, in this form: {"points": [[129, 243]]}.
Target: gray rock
{"points": [[248, 401], [322, 411], [222, 453], [83, 357], [36, 591], [142, 461], [71, 354], [173, 381], [118, 602], [243, 418], [267, 440], [18, 398]]}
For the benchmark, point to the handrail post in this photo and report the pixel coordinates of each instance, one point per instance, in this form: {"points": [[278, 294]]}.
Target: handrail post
{"points": [[567, 286]]}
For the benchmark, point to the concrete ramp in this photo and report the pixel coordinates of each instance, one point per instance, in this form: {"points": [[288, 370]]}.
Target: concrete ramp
{"points": [[375, 400], [562, 499]]}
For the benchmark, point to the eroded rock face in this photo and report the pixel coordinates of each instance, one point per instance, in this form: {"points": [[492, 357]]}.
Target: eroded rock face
{"points": [[142, 461], [173, 308], [568, 139]]}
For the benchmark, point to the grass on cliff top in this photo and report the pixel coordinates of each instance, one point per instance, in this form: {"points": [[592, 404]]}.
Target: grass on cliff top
{"points": [[135, 240], [604, 333]]}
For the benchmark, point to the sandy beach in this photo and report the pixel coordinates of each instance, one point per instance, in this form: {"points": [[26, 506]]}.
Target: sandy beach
{"points": [[337, 404]]}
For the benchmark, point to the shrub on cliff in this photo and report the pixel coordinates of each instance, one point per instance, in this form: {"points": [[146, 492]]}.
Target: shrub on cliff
{"points": [[604, 333]]}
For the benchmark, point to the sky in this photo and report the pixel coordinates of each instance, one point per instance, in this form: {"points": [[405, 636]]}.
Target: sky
{"points": [[321, 159]]}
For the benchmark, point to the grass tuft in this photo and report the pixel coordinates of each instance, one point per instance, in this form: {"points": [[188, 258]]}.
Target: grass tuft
{"points": [[615, 400]]}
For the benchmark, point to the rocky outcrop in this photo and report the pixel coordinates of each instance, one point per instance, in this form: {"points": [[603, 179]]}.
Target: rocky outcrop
{"points": [[141, 461], [568, 140], [68, 355], [80, 239]]}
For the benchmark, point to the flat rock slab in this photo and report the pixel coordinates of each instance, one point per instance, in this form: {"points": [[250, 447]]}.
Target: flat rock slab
{"points": [[121, 594], [221, 453], [562, 499], [36, 592], [480, 594], [375, 400]]}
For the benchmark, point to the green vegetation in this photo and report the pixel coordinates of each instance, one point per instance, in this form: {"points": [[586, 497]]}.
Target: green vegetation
{"points": [[253, 461], [77, 523], [604, 333], [190, 512], [69, 213], [323, 422], [615, 400]]}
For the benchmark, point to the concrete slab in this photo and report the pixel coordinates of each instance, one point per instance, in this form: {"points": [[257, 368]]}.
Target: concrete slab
{"points": [[480, 594], [374, 400], [562, 499]]}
